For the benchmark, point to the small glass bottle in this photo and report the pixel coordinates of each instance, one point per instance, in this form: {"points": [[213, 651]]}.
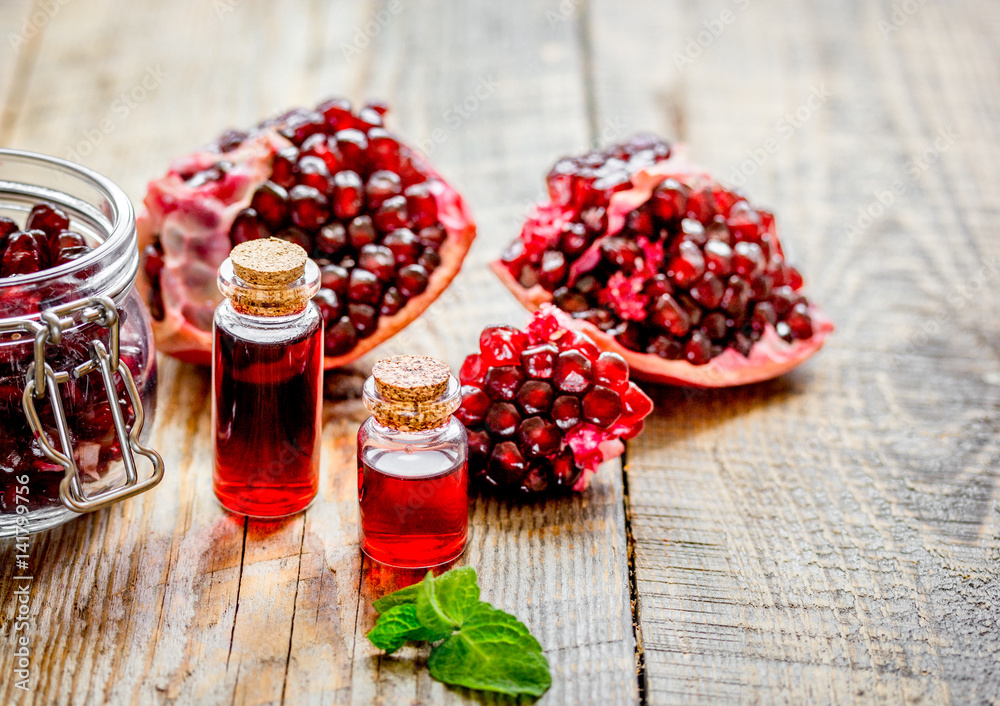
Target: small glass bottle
{"points": [[267, 376], [413, 465]]}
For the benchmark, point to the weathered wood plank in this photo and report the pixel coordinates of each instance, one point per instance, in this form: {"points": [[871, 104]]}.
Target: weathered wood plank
{"points": [[833, 536]]}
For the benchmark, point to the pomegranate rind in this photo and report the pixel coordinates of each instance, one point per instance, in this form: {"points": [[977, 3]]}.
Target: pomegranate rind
{"points": [[770, 357], [194, 223]]}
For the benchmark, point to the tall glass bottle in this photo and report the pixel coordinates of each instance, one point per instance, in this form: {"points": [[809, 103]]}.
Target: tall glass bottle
{"points": [[267, 375]]}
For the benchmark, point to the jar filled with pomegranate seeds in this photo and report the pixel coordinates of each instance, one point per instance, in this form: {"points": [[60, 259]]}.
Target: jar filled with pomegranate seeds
{"points": [[77, 360]]}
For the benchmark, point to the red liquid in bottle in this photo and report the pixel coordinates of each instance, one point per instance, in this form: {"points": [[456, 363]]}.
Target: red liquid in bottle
{"points": [[267, 422], [414, 507]]}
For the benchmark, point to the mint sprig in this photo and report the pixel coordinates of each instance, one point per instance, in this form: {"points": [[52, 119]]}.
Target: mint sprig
{"points": [[479, 646]]}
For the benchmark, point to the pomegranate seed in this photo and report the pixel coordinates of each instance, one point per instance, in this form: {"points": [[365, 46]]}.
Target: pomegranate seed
{"points": [[687, 266], [564, 469], [737, 296], [621, 252], [502, 345], [713, 325], [331, 240], [271, 203], [799, 322], [783, 299], [574, 240], [284, 166], [539, 361], [698, 350], [475, 404], [421, 205], [718, 258], [392, 302], [382, 185], [507, 464], [364, 317], [337, 113], [247, 226], [391, 214], [602, 406], [429, 259], [502, 419], [320, 146], [152, 263], [378, 260], [539, 437], [352, 145], [334, 278], [669, 315], [7, 228], [19, 263], [348, 194], [708, 291], [412, 280], [670, 200], [432, 236], [570, 300], [361, 232], [364, 287], [329, 306], [611, 370], [763, 314], [666, 347], [297, 236], [503, 382], [792, 278], [566, 412], [635, 404], [479, 451], [404, 245], [553, 270], [718, 232], [48, 218], [473, 370], [573, 372], [701, 205], [693, 232], [340, 337], [300, 126], [748, 260], [383, 150], [308, 206], [744, 222], [535, 397]]}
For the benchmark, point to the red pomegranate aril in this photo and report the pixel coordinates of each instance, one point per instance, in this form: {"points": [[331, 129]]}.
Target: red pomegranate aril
{"points": [[748, 260], [693, 232], [48, 218], [391, 214], [760, 287], [573, 372], [404, 245], [380, 186], [337, 113], [539, 361], [152, 262], [392, 302], [247, 226], [741, 343], [340, 337], [296, 235], [565, 472], [332, 240], [319, 145], [716, 231], [364, 317], [314, 172], [621, 252], [421, 205], [708, 291], [666, 347], [736, 298], [352, 144], [566, 412], [432, 236], [763, 314], [475, 404], [502, 419], [429, 259], [602, 406], [383, 150], [535, 397], [348, 194], [364, 287], [378, 260], [19, 263], [335, 278], [501, 345], [669, 200], [743, 221], [329, 305], [578, 341], [367, 119], [361, 232], [611, 370], [473, 370], [783, 299], [300, 126], [539, 437], [718, 258], [412, 280], [701, 205], [687, 266], [270, 201], [507, 463], [553, 269], [479, 452], [669, 315], [308, 206], [574, 240], [698, 350], [799, 322], [635, 404], [792, 278], [503, 382], [714, 325], [570, 300]]}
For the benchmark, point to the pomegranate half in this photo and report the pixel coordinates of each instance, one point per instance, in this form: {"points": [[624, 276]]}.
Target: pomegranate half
{"points": [[658, 262], [388, 232]]}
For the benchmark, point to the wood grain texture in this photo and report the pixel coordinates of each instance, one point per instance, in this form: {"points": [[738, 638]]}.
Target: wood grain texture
{"points": [[165, 598], [832, 536]]}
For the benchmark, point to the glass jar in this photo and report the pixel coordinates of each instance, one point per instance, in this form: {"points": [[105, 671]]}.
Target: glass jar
{"points": [[413, 476], [66, 445]]}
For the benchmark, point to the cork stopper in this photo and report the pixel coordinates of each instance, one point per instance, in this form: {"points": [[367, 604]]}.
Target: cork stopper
{"points": [[412, 393], [269, 262], [268, 277]]}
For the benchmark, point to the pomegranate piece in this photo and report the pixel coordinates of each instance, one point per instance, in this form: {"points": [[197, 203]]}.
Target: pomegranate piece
{"points": [[333, 180], [537, 422], [661, 264]]}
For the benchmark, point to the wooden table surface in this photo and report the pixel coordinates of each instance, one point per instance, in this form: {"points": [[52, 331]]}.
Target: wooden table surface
{"points": [[832, 536]]}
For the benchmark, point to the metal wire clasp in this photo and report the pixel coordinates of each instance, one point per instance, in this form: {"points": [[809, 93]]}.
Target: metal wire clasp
{"points": [[41, 381]]}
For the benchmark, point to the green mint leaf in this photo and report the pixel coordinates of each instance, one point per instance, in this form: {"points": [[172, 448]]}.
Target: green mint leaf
{"points": [[399, 625], [493, 651], [443, 602], [401, 597]]}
